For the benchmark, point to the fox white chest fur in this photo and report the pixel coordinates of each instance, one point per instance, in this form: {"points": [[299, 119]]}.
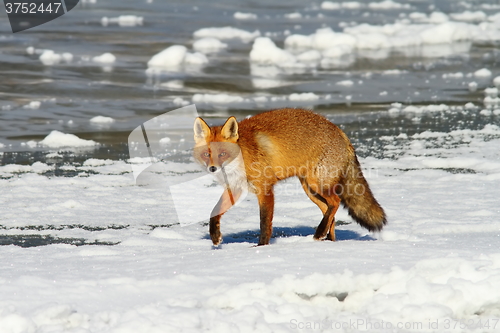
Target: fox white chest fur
{"points": [[232, 175]]}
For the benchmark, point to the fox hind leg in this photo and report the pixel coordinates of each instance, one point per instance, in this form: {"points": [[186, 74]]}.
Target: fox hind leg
{"points": [[327, 225], [315, 197], [328, 203], [335, 200]]}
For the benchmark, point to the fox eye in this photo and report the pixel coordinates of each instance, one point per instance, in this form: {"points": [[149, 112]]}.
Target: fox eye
{"points": [[223, 154], [205, 154]]}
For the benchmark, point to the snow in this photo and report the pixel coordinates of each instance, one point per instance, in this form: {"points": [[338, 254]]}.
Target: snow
{"points": [[196, 58], [33, 105], [58, 139], [303, 97], [123, 20], [482, 73], [165, 141], [30, 143], [323, 39], [312, 56], [472, 86], [226, 33], [180, 101], [337, 51], [434, 17], [216, 98], [94, 162], [428, 270], [445, 33], [382, 5], [398, 107], [352, 4], [469, 16], [173, 84], [208, 45], [330, 5], [434, 268], [345, 83], [388, 4], [174, 57], [105, 58], [170, 57], [492, 92], [101, 120], [245, 16], [265, 52], [457, 75], [49, 57], [431, 34], [222, 99], [470, 106], [392, 72], [491, 102], [293, 16]]}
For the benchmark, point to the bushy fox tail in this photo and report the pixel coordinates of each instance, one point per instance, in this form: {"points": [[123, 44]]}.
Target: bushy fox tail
{"points": [[358, 198]]}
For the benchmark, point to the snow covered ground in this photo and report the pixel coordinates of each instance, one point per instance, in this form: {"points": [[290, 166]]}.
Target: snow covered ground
{"points": [[434, 268]]}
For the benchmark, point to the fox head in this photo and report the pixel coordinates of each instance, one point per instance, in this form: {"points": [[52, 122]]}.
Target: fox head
{"points": [[216, 147]]}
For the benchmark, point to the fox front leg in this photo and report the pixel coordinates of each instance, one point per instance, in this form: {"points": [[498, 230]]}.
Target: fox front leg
{"points": [[215, 234], [226, 201]]}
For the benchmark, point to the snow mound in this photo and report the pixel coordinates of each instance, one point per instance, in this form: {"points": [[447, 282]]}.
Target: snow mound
{"points": [[482, 73], [469, 16], [217, 98], [58, 139], [227, 33], [101, 120], [265, 52], [388, 4], [49, 57], [208, 45], [33, 105], [245, 16], [382, 5], [303, 97], [174, 57], [293, 16], [105, 58]]}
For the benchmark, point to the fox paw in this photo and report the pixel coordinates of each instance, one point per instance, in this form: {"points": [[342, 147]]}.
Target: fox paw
{"points": [[216, 239]]}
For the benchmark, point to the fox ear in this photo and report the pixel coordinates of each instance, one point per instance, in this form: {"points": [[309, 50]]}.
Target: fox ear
{"points": [[230, 129], [201, 130]]}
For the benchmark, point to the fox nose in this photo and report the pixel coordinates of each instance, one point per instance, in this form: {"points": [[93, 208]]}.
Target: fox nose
{"points": [[212, 168]]}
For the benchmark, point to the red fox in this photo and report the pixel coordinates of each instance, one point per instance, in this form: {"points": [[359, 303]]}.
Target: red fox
{"points": [[259, 151]]}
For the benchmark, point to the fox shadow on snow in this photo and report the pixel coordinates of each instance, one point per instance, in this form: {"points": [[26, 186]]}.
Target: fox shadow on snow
{"points": [[252, 236]]}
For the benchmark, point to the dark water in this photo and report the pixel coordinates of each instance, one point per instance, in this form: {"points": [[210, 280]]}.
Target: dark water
{"points": [[70, 94]]}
